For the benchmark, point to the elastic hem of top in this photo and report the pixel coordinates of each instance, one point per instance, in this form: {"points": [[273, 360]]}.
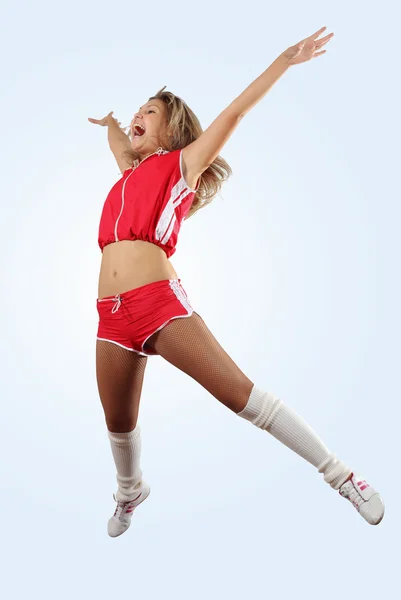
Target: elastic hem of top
{"points": [[168, 252]]}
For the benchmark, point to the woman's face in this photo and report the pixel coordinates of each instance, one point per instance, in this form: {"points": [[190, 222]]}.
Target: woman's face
{"points": [[149, 127]]}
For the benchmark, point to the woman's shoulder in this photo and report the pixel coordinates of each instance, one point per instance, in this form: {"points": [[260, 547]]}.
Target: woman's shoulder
{"points": [[169, 159]]}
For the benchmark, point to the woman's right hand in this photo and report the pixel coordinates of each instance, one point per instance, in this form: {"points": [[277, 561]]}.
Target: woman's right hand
{"points": [[119, 141], [105, 121]]}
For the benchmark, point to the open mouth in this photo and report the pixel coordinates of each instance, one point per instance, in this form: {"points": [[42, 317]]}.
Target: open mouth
{"points": [[138, 130]]}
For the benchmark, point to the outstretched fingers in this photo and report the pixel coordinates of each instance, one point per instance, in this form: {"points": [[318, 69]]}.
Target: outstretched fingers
{"points": [[101, 122], [319, 44], [323, 41], [315, 35]]}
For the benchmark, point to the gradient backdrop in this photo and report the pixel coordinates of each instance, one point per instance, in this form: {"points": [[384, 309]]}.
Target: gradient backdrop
{"points": [[295, 269]]}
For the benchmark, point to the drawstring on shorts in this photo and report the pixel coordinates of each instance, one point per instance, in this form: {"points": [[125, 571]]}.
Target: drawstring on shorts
{"points": [[117, 304], [116, 299]]}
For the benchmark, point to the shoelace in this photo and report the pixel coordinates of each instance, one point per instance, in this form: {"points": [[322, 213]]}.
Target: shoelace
{"points": [[122, 507], [353, 495]]}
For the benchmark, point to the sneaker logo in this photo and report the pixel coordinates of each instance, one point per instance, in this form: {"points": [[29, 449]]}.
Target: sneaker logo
{"points": [[130, 505], [362, 485]]}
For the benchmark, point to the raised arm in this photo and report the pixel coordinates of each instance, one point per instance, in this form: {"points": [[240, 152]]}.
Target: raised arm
{"points": [[119, 141], [199, 155]]}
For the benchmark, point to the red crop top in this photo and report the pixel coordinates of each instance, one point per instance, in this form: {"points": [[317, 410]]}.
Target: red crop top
{"points": [[148, 203]]}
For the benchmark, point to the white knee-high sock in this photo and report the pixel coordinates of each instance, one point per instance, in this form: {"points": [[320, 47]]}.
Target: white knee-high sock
{"points": [[269, 413], [126, 449]]}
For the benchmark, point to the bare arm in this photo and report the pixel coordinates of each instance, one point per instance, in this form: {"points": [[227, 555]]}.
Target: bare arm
{"points": [[199, 155], [119, 141]]}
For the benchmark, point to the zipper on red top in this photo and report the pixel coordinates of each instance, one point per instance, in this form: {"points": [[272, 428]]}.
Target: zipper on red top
{"points": [[159, 151]]}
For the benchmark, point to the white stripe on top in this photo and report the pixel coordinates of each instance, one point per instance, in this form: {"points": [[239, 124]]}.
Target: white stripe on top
{"points": [[165, 225]]}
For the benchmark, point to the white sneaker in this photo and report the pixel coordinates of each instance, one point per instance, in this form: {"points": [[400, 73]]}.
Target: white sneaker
{"points": [[366, 499], [121, 519]]}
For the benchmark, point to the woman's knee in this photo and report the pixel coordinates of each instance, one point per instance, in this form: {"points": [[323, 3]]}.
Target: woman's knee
{"points": [[120, 419], [235, 398], [121, 425]]}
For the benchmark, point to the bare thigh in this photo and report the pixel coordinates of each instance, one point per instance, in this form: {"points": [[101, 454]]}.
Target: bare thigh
{"points": [[119, 374], [189, 345]]}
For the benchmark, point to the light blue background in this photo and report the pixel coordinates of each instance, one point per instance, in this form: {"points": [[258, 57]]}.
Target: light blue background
{"points": [[295, 270]]}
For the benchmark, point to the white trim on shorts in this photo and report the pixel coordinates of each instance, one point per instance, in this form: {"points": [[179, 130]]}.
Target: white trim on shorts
{"points": [[164, 325], [181, 296], [121, 346]]}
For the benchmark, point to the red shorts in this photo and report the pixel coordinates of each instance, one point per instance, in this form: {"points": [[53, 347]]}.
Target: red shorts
{"points": [[129, 319]]}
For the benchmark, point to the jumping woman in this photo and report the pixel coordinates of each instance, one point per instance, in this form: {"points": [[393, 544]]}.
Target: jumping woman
{"points": [[171, 169]]}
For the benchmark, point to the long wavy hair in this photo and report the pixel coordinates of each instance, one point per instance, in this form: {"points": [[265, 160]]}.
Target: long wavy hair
{"points": [[184, 128]]}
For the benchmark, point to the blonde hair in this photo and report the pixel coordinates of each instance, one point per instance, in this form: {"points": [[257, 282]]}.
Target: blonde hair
{"points": [[183, 128]]}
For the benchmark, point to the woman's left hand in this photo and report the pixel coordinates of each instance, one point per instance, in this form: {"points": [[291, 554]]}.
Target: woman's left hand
{"points": [[306, 49]]}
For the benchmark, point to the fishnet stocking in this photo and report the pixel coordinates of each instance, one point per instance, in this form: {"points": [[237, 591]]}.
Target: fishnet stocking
{"points": [[189, 345], [120, 376]]}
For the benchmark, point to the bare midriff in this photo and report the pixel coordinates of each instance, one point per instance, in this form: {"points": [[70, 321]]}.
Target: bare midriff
{"points": [[127, 265]]}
